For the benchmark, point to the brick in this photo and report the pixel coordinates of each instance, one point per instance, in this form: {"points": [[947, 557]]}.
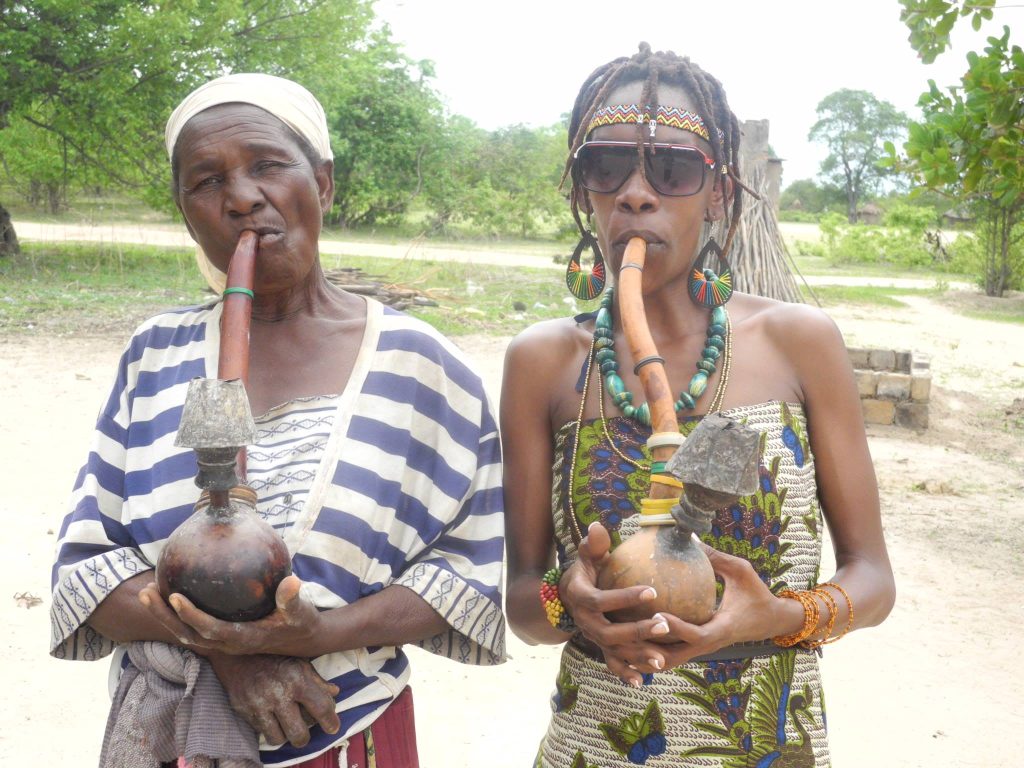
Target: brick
{"points": [[867, 382], [858, 357], [920, 387], [893, 386], [902, 362], [878, 411], [920, 363], [882, 359], [912, 415]]}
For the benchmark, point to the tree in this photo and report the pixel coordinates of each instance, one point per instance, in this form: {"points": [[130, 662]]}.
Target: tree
{"points": [[970, 144], [386, 123], [855, 125], [518, 189], [931, 21], [811, 196], [102, 76]]}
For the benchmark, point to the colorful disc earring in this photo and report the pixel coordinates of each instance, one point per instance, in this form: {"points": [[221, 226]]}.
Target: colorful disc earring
{"points": [[708, 287], [583, 284]]}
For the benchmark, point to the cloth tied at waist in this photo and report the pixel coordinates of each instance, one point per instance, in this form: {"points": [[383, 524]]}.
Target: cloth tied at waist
{"points": [[170, 704]]}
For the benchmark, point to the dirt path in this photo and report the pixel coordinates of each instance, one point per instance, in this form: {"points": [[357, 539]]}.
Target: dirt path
{"points": [[935, 686]]}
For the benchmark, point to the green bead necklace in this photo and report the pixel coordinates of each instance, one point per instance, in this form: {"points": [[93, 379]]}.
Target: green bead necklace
{"points": [[604, 345]]}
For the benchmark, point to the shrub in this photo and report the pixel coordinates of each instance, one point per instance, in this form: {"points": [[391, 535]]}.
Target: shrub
{"points": [[902, 242]]}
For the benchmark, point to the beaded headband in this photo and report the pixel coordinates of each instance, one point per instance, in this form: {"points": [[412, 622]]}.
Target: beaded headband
{"points": [[630, 113]]}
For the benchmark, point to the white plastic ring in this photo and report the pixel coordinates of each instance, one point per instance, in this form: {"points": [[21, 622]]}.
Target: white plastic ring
{"points": [[664, 439]]}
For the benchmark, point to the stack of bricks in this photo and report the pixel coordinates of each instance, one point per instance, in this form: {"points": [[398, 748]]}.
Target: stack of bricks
{"points": [[894, 387]]}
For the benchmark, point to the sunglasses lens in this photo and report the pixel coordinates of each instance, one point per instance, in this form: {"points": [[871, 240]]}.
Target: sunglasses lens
{"points": [[672, 171], [603, 169], [676, 171]]}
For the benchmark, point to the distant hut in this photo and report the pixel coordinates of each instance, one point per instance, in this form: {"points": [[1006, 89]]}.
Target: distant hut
{"points": [[957, 217], [869, 213]]}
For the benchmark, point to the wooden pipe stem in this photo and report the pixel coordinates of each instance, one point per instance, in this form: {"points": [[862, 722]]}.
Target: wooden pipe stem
{"points": [[652, 376], [233, 359], [233, 362]]}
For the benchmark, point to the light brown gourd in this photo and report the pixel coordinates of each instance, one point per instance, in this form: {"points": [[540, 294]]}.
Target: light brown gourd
{"points": [[664, 556]]}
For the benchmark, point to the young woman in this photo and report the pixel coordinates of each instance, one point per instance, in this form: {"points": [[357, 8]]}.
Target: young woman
{"points": [[653, 154]]}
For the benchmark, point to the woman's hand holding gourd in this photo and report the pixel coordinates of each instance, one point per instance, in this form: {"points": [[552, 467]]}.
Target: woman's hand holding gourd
{"points": [[748, 611], [291, 630], [629, 648]]}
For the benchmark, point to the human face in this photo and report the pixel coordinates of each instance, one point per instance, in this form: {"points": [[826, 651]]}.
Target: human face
{"points": [[670, 224], [240, 168]]}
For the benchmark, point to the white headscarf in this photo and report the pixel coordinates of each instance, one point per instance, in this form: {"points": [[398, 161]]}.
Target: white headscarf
{"points": [[286, 100]]}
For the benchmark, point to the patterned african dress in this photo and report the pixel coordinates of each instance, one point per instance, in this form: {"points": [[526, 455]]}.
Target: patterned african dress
{"points": [[755, 711]]}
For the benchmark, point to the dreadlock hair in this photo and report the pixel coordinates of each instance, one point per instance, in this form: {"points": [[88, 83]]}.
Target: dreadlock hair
{"points": [[653, 68]]}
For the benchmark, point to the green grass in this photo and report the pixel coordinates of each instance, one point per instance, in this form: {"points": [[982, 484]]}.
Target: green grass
{"points": [[91, 287], [85, 208], [102, 288], [473, 298], [99, 288], [1008, 309], [865, 295], [818, 266], [996, 316]]}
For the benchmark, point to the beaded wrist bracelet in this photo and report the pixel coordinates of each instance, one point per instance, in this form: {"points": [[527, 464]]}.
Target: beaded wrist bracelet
{"points": [[849, 605], [833, 611], [812, 615], [558, 617]]}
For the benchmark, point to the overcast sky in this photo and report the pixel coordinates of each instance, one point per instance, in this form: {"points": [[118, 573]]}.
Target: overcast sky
{"points": [[522, 61]]}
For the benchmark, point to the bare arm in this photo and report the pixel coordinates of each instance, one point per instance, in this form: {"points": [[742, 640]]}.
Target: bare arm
{"points": [[394, 616], [526, 443], [846, 479]]}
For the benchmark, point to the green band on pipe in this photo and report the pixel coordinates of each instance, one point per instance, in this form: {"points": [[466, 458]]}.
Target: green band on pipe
{"points": [[246, 291]]}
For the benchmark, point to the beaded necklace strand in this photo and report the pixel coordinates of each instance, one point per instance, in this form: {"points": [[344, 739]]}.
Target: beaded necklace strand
{"points": [[604, 343], [714, 407]]}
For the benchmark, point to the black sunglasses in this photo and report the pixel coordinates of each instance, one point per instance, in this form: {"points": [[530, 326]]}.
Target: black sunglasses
{"points": [[672, 170]]}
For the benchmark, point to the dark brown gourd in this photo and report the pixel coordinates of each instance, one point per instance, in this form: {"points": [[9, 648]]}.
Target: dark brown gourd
{"points": [[225, 559]]}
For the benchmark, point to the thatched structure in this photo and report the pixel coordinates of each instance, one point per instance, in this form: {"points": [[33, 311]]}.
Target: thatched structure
{"points": [[759, 259]]}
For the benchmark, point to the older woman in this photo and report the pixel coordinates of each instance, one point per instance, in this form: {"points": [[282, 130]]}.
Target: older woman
{"points": [[653, 155], [377, 459]]}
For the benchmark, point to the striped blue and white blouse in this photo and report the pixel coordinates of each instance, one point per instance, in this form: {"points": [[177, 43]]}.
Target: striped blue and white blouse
{"points": [[396, 480]]}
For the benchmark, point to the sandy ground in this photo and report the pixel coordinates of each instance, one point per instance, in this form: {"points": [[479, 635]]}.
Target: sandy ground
{"points": [[937, 685]]}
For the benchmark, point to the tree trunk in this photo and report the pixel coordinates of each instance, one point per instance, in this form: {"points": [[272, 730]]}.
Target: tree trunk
{"points": [[54, 198], [8, 237]]}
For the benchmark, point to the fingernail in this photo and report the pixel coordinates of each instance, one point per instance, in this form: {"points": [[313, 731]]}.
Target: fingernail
{"points": [[144, 599], [631, 667], [648, 594], [591, 526], [656, 663], [660, 629], [175, 604], [635, 683]]}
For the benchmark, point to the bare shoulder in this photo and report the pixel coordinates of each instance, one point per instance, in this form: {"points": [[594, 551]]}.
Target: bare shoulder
{"points": [[796, 329], [547, 341]]}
